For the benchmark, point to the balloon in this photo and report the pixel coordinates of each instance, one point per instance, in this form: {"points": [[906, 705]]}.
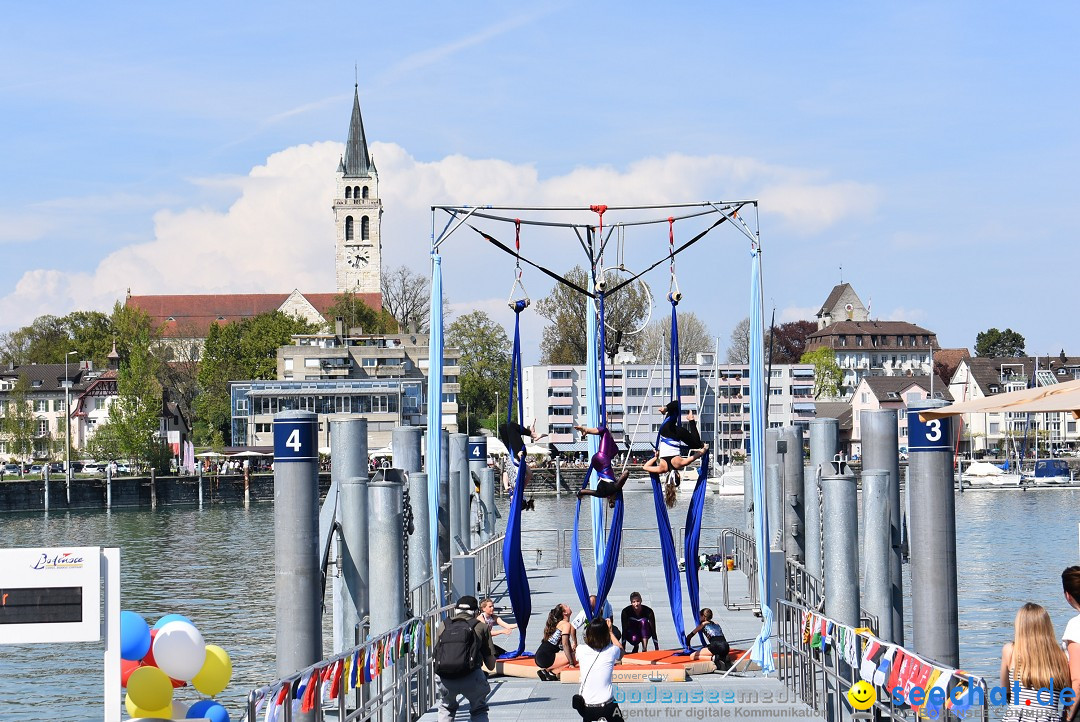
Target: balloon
{"points": [[149, 688], [126, 668], [179, 650], [215, 673], [149, 658], [179, 710], [208, 709], [134, 636], [134, 710], [172, 618]]}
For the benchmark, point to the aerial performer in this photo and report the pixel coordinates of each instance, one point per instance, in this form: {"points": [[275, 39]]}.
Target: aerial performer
{"points": [[606, 485], [672, 438], [511, 434]]}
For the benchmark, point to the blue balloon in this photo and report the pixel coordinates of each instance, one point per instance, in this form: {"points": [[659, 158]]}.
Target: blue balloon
{"points": [[172, 618], [208, 709], [134, 637]]}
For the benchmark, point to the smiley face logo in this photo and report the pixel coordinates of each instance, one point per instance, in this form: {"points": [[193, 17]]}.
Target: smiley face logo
{"points": [[862, 695]]}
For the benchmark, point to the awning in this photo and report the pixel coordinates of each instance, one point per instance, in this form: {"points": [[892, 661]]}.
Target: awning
{"points": [[583, 446], [1042, 399]]}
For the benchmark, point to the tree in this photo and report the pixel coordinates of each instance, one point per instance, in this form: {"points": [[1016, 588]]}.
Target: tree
{"points": [[357, 314], [18, 423], [788, 341], [485, 365], [694, 338], [239, 350], [997, 344], [48, 339], [406, 296], [738, 351], [135, 414], [564, 338], [827, 373]]}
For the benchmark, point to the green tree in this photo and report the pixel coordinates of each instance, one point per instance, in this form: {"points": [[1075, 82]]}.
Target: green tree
{"points": [[135, 414], [18, 422], [48, 339], [238, 351], [997, 344], [105, 443], [694, 338], [357, 314], [564, 338], [485, 365], [827, 373]]}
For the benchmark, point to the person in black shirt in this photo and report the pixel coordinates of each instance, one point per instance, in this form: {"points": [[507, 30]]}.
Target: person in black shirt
{"points": [[511, 434], [639, 625]]}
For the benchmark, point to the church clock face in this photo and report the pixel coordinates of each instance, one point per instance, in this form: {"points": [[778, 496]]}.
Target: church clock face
{"points": [[359, 257]]}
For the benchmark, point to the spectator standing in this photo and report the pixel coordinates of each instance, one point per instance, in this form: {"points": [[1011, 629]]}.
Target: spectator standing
{"points": [[595, 699], [462, 645]]}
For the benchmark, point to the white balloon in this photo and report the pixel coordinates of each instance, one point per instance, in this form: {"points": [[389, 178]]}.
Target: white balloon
{"points": [[179, 650], [179, 709]]}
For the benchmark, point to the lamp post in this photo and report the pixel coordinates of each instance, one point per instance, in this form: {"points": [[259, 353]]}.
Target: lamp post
{"points": [[67, 427], [496, 412]]}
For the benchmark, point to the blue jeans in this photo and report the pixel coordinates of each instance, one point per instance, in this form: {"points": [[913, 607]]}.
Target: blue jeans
{"points": [[473, 687]]}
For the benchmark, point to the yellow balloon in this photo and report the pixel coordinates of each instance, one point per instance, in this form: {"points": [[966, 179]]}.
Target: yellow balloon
{"points": [[134, 710], [150, 688], [215, 673]]}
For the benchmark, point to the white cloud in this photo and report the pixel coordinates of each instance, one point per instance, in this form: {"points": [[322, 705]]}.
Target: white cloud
{"points": [[276, 233], [911, 315]]}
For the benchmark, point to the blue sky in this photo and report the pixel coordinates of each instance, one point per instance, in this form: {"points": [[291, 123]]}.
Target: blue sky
{"points": [[929, 148]]}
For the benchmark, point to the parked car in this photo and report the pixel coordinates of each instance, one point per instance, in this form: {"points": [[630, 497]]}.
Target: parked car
{"points": [[122, 467], [12, 470], [36, 469], [76, 467], [93, 468], [56, 467]]}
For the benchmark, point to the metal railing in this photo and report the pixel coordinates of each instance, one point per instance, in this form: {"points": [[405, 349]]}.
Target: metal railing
{"points": [[802, 587], [551, 548], [741, 549], [821, 678], [404, 690], [489, 563]]}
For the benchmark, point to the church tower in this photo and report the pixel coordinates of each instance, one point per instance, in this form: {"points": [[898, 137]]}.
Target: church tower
{"points": [[357, 214]]}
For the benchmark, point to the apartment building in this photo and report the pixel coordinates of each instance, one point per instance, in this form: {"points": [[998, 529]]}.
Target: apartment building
{"points": [[892, 392], [556, 397]]}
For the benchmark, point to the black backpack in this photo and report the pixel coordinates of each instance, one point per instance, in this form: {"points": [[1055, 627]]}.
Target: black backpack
{"points": [[458, 651]]}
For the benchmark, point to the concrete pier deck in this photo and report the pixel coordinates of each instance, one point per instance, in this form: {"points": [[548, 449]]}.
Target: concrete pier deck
{"points": [[705, 696]]}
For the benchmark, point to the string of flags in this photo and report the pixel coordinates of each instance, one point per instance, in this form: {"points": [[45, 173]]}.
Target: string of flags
{"points": [[888, 666], [322, 684]]}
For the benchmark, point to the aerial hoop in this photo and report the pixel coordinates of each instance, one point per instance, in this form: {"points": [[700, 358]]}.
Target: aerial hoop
{"points": [[609, 278]]}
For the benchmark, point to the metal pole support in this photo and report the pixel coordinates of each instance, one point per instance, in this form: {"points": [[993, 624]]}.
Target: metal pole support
{"points": [[420, 544], [405, 443], [823, 447], [793, 482], [349, 473], [296, 541], [876, 550], [385, 497], [881, 450], [932, 521], [487, 504], [841, 558]]}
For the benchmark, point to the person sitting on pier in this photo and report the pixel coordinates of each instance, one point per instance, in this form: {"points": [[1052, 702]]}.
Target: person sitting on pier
{"points": [[673, 437], [606, 485], [582, 618], [1035, 661], [557, 649], [496, 625], [595, 699], [715, 640], [639, 625], [511, 434], [1070, 583]]}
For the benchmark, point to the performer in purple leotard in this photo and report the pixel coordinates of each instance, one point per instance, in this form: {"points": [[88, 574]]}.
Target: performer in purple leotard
{"points": [[606, 485]]}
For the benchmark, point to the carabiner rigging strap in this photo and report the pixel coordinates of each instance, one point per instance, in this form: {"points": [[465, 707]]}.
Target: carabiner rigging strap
{"points": [[510, 300], [674, 294]]}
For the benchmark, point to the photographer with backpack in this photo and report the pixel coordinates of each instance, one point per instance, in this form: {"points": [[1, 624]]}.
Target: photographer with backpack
{"points": [[462, 646]]}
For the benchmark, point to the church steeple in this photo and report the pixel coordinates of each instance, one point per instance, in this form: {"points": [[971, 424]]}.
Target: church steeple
{"points": [[357, 162]]}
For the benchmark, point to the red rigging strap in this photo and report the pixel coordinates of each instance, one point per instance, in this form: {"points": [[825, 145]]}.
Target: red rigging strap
{"points": [[599, 210], [517, 234]]}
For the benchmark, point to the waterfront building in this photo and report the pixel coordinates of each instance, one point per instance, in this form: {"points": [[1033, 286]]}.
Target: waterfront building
{"points": [[876, 348], [843, 304], [556, 397], [382, 376], [979, 377], [183, 320], [892, 392]]}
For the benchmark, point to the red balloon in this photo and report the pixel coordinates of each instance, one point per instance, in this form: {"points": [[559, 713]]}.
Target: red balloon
{"points": [[127, 666], [177, 683], [148, 660]]}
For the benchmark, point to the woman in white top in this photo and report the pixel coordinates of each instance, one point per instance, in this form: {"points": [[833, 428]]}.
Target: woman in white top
{"points": [[1070, 582], [1033, 668], [596, 662]]}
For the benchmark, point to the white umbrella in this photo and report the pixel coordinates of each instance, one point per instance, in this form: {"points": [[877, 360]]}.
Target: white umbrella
{"points": [[209, 455], [249, 453], [384, 451], [494, 446], [540, 449]]}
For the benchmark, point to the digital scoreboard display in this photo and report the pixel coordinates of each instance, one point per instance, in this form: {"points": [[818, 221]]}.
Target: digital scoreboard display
{"points": [[41, 605]]}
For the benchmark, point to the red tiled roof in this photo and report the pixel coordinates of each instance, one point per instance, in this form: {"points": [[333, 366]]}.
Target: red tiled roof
{"points": [[190, 315]]}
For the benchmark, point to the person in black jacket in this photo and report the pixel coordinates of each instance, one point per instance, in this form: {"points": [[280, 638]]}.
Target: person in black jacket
{"points": [[638, 625]]}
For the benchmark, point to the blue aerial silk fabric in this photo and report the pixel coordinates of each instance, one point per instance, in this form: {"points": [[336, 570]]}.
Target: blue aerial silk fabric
{"points": [[594, 388], [670, 560], [434, 420], [517, 580], [605, 574], [693, 538], [761, 653]]}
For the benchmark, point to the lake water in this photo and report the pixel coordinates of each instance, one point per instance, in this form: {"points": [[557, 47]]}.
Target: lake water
{"points": [[216, 567]]}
